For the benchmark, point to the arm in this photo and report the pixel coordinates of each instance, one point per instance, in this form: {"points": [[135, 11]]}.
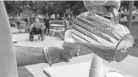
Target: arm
{"points": [[50, 55], [29, 55], [43, 26]]}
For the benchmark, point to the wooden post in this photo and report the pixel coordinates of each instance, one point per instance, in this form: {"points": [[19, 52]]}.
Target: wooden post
{"points": [[131, 3], [8, 65]]}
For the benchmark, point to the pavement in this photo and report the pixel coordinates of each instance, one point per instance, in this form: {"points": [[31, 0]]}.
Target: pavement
{"points": [[23, 40]]}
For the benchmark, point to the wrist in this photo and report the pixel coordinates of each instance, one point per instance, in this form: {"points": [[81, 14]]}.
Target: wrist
{"points": [[29, 55], [47, 56], [53, 55]]}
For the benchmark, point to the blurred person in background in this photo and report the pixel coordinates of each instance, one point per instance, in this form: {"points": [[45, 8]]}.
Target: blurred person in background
{"points": [[36, 25], [27, 20], [47, 25], [66, 24], [18, 22]]}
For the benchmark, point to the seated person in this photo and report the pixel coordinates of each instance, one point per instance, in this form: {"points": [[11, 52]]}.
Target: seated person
{"points": [[37, 27]]}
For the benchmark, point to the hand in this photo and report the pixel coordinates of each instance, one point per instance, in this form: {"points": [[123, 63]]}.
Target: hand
{"points": [[113, 9], [115, 14], [53, 54], [94, 6]]}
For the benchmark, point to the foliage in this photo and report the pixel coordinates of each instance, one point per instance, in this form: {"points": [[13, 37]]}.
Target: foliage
{"points": [[43, 7], [50, 7]]}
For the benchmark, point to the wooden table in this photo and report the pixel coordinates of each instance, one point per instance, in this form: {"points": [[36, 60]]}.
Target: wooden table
{"points": [[128, 66], [36, 70]]}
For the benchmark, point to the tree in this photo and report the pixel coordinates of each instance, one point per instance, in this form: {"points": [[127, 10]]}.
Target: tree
{"points": [[13, 7], [43, 7], [78, 8]]}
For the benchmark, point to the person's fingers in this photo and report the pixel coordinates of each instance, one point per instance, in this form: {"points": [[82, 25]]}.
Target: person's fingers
{"points": [[115, 14], [68, 40]]}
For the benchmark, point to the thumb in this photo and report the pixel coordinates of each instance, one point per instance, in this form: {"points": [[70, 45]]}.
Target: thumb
{"points": [[115, 14]]}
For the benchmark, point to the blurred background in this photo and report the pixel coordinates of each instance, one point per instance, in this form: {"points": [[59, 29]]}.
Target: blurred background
{"points": [[26, 11], [23, 13]]}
